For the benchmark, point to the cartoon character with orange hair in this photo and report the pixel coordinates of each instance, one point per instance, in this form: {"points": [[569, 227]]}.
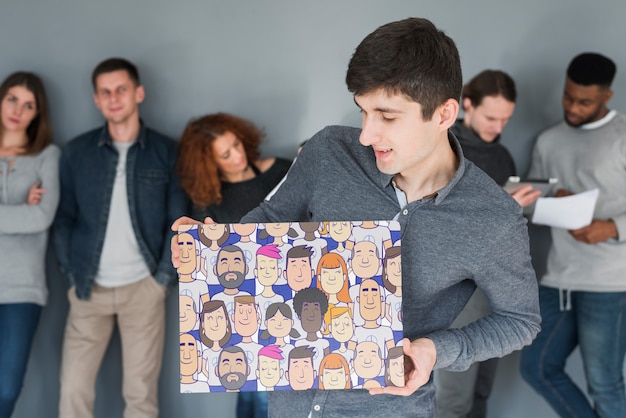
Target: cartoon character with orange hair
{"points": [[334, 373], [332, 279]]}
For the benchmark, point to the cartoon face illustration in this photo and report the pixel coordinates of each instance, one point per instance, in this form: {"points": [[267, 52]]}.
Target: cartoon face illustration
{"points": [[394, 367], [341, 324], [277, 229], [334, 372], [267, 271], [301, 373], [332, 280], [230, 267], [309, 226], [340, 231], [268, 368], [214, 231], [232, 368], [365, 261], [298, 272], [214, 324], [187, 315], [370, 300], [332, 275], [243, 230], [367, 360], [311, 316], [278, 324], [188, 355], [246, 316], [392, 269], [188, 253], [310, 305]]}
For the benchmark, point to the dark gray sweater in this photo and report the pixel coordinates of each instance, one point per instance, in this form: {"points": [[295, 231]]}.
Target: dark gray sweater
{"points": [[491, 157], [470, 234]]}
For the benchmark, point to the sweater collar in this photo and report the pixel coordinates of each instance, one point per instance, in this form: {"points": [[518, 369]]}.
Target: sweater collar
{"points": [[599, 123], [387, 179]]}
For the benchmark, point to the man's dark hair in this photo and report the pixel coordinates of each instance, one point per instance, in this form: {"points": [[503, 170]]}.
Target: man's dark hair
{"points": [[303, 351], [590, 68], [115, 64], [410, 57], [490, 83], [300, 251]]}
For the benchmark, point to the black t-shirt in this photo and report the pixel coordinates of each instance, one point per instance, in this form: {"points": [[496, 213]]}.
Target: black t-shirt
{"points": [[240, 198]]}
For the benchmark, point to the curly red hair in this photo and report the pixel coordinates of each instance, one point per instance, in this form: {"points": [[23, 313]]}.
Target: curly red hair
{"points": [[196, 166]]}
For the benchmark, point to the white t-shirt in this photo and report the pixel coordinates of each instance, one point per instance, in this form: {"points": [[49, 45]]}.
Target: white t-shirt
{"points": [[121, 262]]}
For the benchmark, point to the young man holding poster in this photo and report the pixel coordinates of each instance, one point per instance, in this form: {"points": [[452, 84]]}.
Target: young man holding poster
{"points": [[459, 229]]}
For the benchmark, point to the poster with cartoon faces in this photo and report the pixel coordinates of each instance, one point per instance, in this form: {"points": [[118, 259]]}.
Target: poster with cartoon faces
{"points": [[290, 306]]}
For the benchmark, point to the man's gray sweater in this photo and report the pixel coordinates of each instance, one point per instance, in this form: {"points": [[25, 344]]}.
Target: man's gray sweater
{"points": [[471, 233]]}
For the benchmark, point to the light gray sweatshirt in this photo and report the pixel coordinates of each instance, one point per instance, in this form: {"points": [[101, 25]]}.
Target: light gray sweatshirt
{"points": [[24, 228], [589, 157]]}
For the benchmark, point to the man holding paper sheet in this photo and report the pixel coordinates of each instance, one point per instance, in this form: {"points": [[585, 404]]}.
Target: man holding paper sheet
{"points": [[583, 293], [460, 230]]}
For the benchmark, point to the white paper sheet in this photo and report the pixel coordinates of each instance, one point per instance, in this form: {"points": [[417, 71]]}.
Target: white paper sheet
{"points": [[569, 212]]}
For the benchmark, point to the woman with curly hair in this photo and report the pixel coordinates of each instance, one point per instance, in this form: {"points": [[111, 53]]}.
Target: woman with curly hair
{"points": [[220, 169]]}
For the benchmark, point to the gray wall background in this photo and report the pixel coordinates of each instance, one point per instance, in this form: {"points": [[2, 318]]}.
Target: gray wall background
{"points": [[281, 64]]}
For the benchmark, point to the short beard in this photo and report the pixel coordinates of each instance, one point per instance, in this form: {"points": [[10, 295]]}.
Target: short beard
{"points": [[231, 284], [233, 384], [592, 118]]}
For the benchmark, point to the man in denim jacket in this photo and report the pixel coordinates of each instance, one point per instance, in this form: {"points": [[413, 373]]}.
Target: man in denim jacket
{"points": [[119, 194]]}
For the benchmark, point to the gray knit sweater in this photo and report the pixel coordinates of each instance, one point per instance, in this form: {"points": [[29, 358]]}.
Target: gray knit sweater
{"points": [[24, 228], [470, 234], [593, 156]]}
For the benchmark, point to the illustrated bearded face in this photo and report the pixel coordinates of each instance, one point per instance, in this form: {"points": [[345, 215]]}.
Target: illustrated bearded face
{"points": [[231, 269], [231, 279], [232, 369]]}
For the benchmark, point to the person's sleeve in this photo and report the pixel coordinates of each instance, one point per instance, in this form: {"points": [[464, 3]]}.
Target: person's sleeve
{"points": [[177, 206], [65, 217], [289, 201], [32, 219], [505, 274], [620, 224], [620, 218]]}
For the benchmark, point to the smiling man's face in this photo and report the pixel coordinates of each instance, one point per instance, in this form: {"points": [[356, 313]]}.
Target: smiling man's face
{"points": [[369, 299]]}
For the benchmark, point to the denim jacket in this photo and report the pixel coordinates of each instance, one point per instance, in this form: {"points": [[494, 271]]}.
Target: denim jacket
{"points": [[155, 200]]}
